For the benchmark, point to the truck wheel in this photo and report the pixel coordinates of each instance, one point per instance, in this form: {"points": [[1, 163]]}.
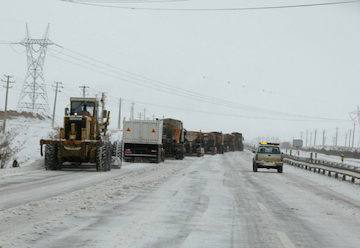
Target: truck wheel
{"points": [[255, 167], [179, 155], [116, 149], [108, 156], [162, 155], [102, 157], [280, 169], [51, 157]]}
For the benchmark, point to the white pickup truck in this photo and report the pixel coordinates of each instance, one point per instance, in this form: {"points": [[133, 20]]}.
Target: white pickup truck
{"points": [[269, 156]]}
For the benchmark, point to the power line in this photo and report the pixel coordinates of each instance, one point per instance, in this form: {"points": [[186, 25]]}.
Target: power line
{"points": [[215, 113], [162, 87], [231, 9]]}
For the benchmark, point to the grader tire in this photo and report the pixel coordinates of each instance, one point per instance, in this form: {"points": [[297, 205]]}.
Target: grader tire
{"points": [[108, 156], [51, 157], [103, 157]]}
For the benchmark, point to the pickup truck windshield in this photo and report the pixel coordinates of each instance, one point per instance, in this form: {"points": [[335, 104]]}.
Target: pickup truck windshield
{"points": [[268, 150]]}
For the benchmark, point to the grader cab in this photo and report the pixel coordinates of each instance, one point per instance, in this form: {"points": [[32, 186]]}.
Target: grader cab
{"points": [[83, 138]]}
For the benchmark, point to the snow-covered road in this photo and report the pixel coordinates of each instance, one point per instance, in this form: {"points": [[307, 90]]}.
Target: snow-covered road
{"points": [[215, 201]]}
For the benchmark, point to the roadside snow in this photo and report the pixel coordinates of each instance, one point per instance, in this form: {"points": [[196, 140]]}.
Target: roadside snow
{"points": [[26, 134]]}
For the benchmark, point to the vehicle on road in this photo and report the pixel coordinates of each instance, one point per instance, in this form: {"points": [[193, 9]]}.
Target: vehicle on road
{"points": [[194, 143], [229, 142], [239, 144], [83, 139], [219, 142], [173, 139], [209, 143], [143, 140], [269, 156]]}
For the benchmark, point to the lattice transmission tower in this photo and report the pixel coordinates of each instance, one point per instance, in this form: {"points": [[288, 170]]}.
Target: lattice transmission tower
{"points": [[355, 117], [33, 97]]}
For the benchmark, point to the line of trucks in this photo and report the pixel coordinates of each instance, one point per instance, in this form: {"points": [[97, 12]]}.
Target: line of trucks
{"points": [[84, 139]]}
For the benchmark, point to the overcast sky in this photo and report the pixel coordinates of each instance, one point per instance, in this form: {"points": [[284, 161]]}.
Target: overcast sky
{"points": [[301, 61]]}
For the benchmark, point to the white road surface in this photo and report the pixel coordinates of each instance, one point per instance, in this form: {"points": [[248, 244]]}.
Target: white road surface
{"points": [[215, 201]]}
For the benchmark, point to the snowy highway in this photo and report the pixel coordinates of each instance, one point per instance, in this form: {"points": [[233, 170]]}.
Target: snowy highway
{"points": [[215, 201]]}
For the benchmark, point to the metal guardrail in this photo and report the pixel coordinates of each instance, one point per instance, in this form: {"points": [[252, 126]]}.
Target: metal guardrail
{"points": [[325, 163], [325, 167]]}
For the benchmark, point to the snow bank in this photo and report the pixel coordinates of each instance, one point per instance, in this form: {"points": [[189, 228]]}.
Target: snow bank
{"points": [[26, 133]]}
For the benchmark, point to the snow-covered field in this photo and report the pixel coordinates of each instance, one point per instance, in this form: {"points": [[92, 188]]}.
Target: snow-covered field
{"points": [[321, 156], [214, 201]]}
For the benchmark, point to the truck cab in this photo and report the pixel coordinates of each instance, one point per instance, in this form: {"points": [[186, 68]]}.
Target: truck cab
{"points": [[268, 156]]}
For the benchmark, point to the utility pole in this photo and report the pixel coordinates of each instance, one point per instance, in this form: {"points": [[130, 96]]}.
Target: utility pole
{"points": [[58, 86], [336, 137], [132, 109], [103, 101], [353, 136], [307, 137], [323, 138], [119, 117], [144, 113], [349, 138], [310, 139], [315, 134], [83, 89], [7, 86], [301, 135], [345, 139]]}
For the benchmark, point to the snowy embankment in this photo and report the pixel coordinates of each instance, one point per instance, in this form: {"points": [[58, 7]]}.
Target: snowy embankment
{"points": [[25, 134], [330, 158]]}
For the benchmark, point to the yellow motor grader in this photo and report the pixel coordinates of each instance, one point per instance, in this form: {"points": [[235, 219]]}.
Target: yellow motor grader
{"points": [[83, 139]]}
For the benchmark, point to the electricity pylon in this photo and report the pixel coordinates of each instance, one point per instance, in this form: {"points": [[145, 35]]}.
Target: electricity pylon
{"points": [[33, 97], [355, 117]]}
